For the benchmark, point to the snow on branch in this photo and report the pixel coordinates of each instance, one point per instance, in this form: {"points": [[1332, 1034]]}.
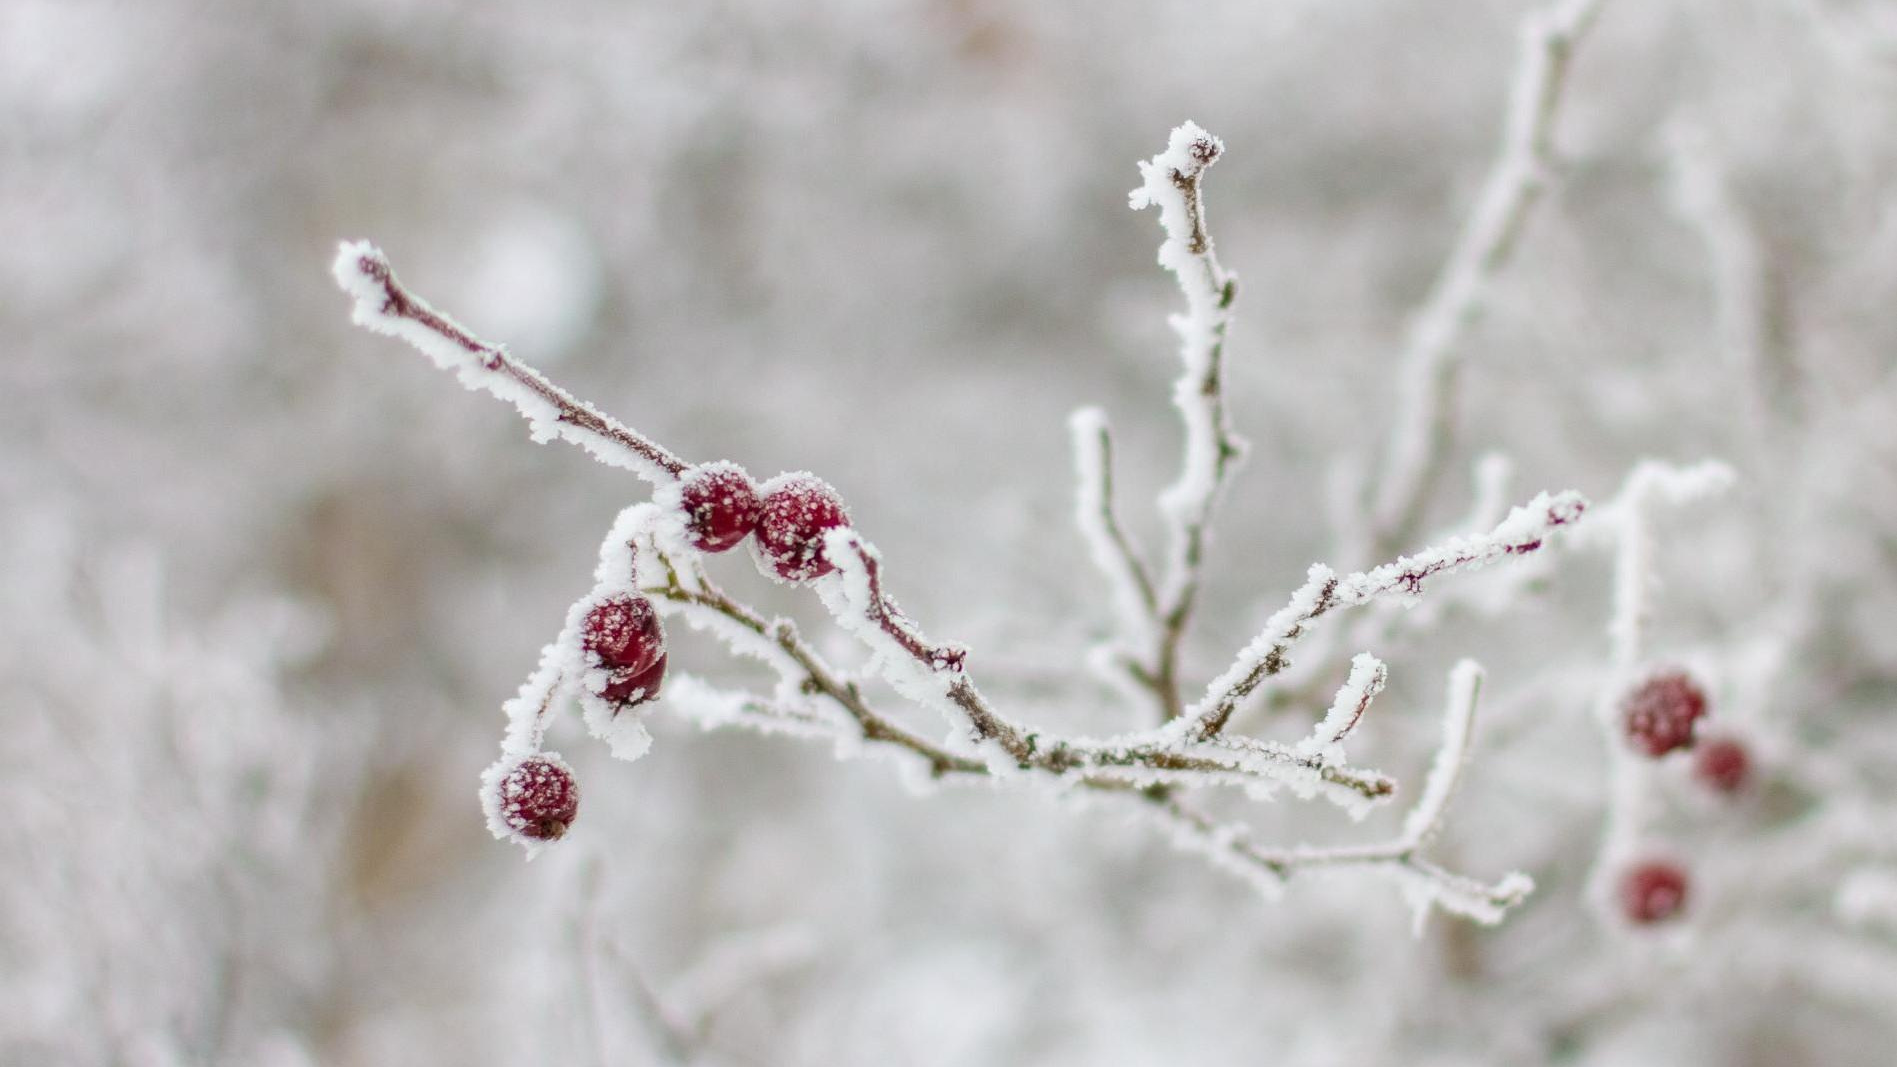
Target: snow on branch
{"points": [[1108, 545], [1523, 531], [1425, 884], [1418, 445], [384, 306], [610, 655], [1171, 181]]}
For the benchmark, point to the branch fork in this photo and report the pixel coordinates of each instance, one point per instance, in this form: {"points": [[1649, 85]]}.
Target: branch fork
{"points": [[647, 552]]}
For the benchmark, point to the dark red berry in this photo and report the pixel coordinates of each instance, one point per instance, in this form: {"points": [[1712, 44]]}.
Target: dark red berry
{"points": [[1659, 713], [539, 798], [720, 504], [1722, 764], [798, 510], [625, 690], [1652, 891], [623, 634]]}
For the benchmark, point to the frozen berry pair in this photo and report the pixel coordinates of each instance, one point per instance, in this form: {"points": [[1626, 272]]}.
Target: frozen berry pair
{"points": [[1659, 714], [622, 634], [534, 798], [789, 514]]}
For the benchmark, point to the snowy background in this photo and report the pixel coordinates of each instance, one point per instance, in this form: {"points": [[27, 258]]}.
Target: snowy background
{"points": [[267, 578]]}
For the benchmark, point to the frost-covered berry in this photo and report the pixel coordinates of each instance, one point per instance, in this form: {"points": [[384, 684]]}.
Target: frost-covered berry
{"points": [[623, 634], [535, 798], [1652, 891], [720, 505], [1723, 764], [798, 510], [626, 690], [1658, 714]]}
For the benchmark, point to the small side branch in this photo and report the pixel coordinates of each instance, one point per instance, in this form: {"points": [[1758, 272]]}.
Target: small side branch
{"points": [[1426, 884], [1112, 551], [1522, 532], [384, 306], [1419, 442]]}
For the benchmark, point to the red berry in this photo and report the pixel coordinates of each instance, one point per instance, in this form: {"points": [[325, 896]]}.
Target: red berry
{"points": [[1723, 764], [623, 634], [539, 798], [798, 510], [1659, 713], [626, 690], [1652, 891], [720, 504]]}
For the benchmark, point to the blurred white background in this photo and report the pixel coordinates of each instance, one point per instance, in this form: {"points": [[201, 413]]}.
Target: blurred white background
{"points": [[267, 578]]}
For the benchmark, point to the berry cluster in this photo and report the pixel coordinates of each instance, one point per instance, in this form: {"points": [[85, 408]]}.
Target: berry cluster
{"points": [[534, 799], [790, 514], [1659, 716]]}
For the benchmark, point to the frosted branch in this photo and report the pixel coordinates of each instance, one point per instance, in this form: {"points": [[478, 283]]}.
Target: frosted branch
{"points": [[1465, 685], [1112, 552], [1367, 677], [1522, 532], [384, 306], [1171, 181], [1419, 442], [1424, 883], [654, 553]]}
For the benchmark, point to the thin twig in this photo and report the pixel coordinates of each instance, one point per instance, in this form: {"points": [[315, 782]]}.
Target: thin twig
{"points": [[385, 306], [1523, 531]]}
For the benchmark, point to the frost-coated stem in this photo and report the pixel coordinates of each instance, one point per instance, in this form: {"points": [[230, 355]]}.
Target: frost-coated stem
{"points": [[1426, 884], [936, 676], [1465, 686], [1419, 442], [1367, 678], [781, 636], [1172, 181], [1112, 551], [384, 306], [1522, 532]]}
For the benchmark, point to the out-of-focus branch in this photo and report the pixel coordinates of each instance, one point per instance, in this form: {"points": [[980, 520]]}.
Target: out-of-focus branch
{"points": [[1399, 490], [1748, 299], [1626, 521]]}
